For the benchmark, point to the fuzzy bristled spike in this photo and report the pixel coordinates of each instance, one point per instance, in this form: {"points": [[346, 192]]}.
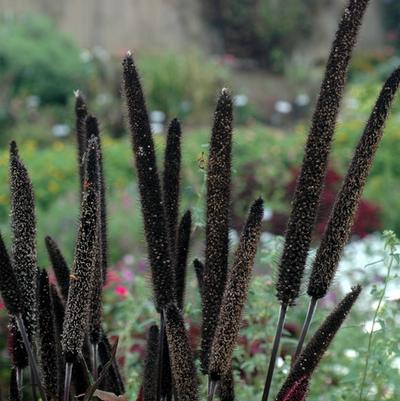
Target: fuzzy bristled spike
{"points": [[58, 311], [149, 186], [15, 345], [81, 139], [59, 265], [339, 226], [226, 388], [23, 225], [311, 178], [182, 250], [217, 221], [47, 339], [150, 365], [183, 368], [171, 180], [80, 289], [8, 283], [14, 390], [92, 129], [199, 270], [235, 295], [315, 349]]}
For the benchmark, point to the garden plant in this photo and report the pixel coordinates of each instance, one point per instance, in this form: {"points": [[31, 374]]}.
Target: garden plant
{"points": [[56, 333]]}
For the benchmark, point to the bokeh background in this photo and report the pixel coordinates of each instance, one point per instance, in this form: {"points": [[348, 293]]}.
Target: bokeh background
{"points": [[271, 55]]}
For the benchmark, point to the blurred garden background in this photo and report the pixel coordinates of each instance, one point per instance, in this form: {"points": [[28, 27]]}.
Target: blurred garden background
{"points": [[271, 55]]}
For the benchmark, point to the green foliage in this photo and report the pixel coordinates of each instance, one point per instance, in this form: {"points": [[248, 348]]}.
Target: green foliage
{"points": [[37, 59], [262, 30], [181, 84]]}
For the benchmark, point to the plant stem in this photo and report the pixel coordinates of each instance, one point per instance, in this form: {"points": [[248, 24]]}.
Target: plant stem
{"points": [[19, 379], [67, 380], [274, 352], [31, 357], [371, 334], [212, 388], [94, 360], [310, 313]]}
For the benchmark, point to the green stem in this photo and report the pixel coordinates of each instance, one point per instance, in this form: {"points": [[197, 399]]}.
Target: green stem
{"points": [[371, 334]]}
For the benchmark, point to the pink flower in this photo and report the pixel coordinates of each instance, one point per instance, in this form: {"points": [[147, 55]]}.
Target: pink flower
{"points": [[112, 277], [121, 291]]}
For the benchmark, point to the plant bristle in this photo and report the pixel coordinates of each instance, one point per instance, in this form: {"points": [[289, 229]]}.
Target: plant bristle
{"points": [[47, 338], [310, 181], [308, 360], [8, 283], [341, 220], [149, 188], [183, 368], [235, 294], [60, 267], [217, 221], [23, 227], [171, 181], [80, 289], [150, 365], [182, 250]]}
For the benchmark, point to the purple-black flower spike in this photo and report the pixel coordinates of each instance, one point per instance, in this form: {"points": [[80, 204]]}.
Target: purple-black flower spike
{"points": [[340, 223], [199, 270], [47, 339], [310, 357], [58, 315], [16, 347], [217, 221], [183, 368], [80, 289], [8, 283], [226, 388], [311, 178], [81, 139], [92, 129], [150, 365], [149, 188], [235, 295], [182, 250], [14, 390], [171, 181], [23, 226], [60, 267]]}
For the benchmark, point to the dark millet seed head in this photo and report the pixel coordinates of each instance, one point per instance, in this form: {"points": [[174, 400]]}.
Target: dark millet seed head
{"points": [[217, 221], [23, 226], [297, 392], [315, 349], [92, 129], [16, 347], [149, 188], [226, 387], [340, 223], [310, 182], [183, 368], [8, 283], [235, 294], [80, 127], [80, 289], [171, 180], [199, 270], [58, 311], [59, 265], [150, 365], [47, 338], [182, 250]]}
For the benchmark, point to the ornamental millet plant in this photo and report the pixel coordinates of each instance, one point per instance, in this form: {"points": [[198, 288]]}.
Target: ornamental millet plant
{"points": [[62, 324]]}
